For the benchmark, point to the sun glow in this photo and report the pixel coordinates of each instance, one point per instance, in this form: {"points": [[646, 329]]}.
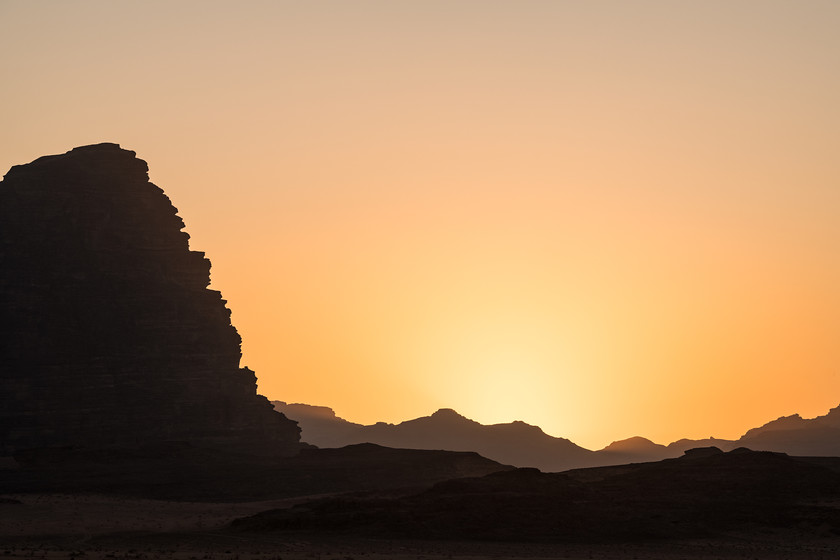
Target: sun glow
{"points": [[606, 218]]}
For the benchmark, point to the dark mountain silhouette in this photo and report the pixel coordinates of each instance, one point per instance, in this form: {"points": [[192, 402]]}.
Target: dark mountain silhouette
{"points": [[109, 335], [701, 494], [794, 435], [321, 425], [523, 445], [516, 443], [818, 436]]}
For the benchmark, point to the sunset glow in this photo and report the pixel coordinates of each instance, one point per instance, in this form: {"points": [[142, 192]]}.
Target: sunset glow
{"points": [[605, 218]]}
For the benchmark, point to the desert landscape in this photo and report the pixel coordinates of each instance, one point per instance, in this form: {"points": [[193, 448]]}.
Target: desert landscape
{"points": [[111, 447], [491, 279]]}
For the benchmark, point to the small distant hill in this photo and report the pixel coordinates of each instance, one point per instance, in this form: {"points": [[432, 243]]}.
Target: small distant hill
{"points": [[681, 445], [524, 445], [634, 450]]}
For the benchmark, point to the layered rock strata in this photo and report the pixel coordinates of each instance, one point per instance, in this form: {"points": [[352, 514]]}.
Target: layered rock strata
{"points": [[109, 335]]}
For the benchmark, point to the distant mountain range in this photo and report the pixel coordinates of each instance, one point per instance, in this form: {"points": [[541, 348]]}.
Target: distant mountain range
{"points": [[523, 445]]}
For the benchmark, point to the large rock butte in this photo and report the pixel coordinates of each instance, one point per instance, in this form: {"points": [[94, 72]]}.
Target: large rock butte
{"points": [[109, 335]]}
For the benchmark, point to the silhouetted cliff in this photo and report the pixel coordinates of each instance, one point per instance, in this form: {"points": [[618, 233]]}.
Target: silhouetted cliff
{"points": [[108, 333]]}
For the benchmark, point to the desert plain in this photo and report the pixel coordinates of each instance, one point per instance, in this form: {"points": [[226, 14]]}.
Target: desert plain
{"points": [[97, 526]]}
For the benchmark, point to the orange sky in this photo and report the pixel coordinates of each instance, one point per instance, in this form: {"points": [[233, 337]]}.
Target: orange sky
{"points": [[607, 218]]}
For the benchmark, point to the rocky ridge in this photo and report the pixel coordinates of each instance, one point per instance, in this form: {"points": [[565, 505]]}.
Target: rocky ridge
{"points": [[515, 443], [523, 445]]}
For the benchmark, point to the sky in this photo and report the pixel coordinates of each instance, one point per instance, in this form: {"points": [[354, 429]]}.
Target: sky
{"points": [[606, 218]]}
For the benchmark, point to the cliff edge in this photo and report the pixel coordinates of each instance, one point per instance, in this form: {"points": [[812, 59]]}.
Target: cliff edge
{"points": [[109, 335]]}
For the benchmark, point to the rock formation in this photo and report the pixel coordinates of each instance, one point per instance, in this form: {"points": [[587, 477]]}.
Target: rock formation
{"points": [[109, 335]]}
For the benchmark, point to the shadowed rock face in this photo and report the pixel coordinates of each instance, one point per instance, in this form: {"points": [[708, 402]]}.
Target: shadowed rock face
{"points": [[108, 333]]}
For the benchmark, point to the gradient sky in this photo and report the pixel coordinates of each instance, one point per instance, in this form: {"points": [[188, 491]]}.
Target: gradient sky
{"points": [[607, 218]]}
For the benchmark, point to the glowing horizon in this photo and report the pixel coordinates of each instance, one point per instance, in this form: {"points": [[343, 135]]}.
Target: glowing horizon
{"points": [[607, 219]]}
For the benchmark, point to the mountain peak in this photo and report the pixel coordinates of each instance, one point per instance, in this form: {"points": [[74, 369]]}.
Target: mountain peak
{"points": [[446, 413], [635, 443]]}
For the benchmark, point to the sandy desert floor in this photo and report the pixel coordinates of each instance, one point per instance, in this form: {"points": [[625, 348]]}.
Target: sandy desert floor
{"points": [[107, 527]]}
